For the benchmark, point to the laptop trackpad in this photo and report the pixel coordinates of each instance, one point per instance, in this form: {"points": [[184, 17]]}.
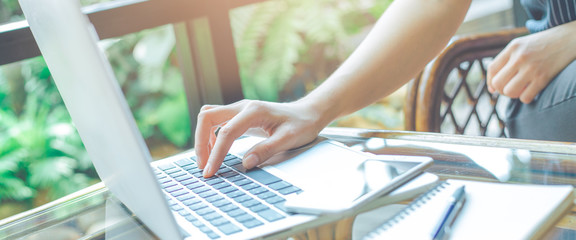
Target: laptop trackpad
{"points": [[323, 166]]}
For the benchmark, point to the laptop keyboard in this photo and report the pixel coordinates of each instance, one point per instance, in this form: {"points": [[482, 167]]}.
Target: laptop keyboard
{"points": [[230, 202]]}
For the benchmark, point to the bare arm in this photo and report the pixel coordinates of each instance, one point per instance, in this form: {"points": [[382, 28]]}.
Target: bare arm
{"points": [[404, 40], [408, 35]]}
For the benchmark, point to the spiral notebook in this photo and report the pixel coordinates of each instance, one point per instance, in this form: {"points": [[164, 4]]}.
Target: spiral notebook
{"points": [[491, 211]]}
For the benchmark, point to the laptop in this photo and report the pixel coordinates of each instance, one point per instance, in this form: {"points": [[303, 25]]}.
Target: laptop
{"points": [[170, 196]]}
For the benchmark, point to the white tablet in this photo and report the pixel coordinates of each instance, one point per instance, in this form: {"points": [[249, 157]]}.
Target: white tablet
{"points": [[381, 175]]}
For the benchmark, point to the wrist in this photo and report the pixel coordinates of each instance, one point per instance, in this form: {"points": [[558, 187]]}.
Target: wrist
{"points": [[323, 109]]}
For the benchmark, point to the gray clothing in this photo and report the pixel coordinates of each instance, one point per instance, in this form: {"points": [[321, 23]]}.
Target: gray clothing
{"points": [[552, 114], [546, 14]]}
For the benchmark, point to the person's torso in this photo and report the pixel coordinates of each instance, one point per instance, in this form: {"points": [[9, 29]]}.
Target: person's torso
{"points": [[545, 14]]}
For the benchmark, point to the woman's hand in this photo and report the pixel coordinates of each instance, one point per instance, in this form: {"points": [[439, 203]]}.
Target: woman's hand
{"points": [[529, 63], [288, 125]]}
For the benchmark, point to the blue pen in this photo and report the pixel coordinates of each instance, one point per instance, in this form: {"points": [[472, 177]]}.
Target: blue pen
{"points": [[453, 206]]}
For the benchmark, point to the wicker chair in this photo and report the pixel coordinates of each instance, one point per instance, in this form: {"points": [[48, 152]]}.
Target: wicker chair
{"points": [[451, 95]]}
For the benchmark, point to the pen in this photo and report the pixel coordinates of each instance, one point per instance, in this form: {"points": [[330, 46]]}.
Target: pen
{"points": [[452, 207]]}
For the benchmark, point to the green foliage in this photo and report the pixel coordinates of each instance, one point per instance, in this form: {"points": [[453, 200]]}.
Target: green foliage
{"points": [[143, 64], [286, 47], [40, 148]]}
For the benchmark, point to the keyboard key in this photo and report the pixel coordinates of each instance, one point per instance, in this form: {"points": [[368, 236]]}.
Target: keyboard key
{"points": [[177, 207], [166, 166], [239, 167], [211, 216], [177, 174], [220, 203], [184, 212], [270, 215], [207, 194], [223, 170], [195, 171], [213, 235], [242, 182], [221, 185], [259, 207], [160, 175], [229, 174], [182, 178], [244, 218], [219, 221], [207, 179], [235, 194], [205, 211], [229, 228], [228, 208], [252, 223], [171, 202], [179, 193], [184, 162], [279, 185], [228, 189], [274, 200], [258, 190], [205, 229], [185, 197], [280, 205], [189, 181], [235, 178], [236, 212], [194, 185], [214, 198], [214, 181], [233, 161], [197, 223], [250, 186], [191, 202], [197, 206], [172, 188], [265, 195], [289, 190], [262, 176], [250, 203], [200, 189], [168, 184], [242, 198]]}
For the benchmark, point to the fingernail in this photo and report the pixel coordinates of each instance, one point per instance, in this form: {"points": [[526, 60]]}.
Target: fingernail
{"points": [[250, 161], [206, 170]]}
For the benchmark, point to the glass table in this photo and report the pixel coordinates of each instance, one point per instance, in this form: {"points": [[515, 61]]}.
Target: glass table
{"points": [[94, 213]]}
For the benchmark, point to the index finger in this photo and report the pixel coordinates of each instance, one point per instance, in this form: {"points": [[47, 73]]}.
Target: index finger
{"points": [[207, 120], [233, 129]]}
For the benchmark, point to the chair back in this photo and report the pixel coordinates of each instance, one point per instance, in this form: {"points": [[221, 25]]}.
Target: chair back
{"points": [[451, 95]]}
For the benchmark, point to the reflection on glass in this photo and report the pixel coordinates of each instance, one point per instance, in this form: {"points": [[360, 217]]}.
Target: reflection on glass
{"points": [[500, 162], [121, 225]]}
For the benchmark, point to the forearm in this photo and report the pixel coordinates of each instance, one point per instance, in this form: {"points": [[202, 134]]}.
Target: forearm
{"points": [[403, 41]]}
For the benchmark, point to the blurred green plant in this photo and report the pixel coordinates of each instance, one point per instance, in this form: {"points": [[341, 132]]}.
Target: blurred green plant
{"points": [[41, 154], [145, 65], [286, 48], [40, 150]]}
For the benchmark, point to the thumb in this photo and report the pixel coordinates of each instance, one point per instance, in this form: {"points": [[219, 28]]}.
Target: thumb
{"points": [[260, 153], [266, 149]]}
